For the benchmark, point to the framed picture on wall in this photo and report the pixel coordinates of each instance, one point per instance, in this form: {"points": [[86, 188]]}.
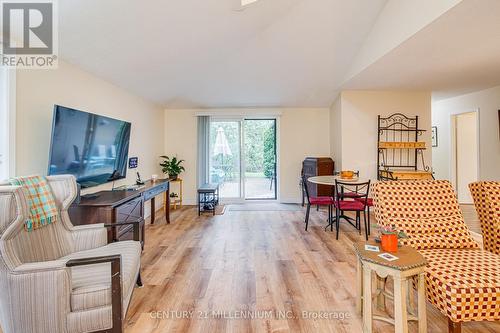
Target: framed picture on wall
{"points": [[434, 135]]}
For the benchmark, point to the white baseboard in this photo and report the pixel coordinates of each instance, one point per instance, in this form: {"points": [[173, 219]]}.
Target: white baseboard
{"points": [[290, 200], [194, 202]]}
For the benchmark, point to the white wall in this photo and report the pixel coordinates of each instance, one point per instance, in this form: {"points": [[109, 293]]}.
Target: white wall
{"points": [[359, 124], [7, 122], [39, 90], [181, 128], [398, 21], [336, 132], [488, 103], [301, 133], [466, 154]]}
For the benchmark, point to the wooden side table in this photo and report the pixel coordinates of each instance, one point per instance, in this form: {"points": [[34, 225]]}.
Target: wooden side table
{"points": [[410, 263], [176, 201]]}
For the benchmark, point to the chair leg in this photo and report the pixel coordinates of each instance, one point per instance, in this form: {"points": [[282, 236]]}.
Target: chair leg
{"points": [[317, 207], [454, 327], [139, 280], [369, 231], [329, 213], [337, 222], [366, 227], [307, 215], [331, 217], [358, 221]]}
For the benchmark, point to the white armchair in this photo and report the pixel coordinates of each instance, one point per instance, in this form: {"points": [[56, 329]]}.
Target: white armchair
{"points": [[61, 278]]}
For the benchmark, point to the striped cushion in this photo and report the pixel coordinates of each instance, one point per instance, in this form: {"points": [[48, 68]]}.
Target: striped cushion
{"points": [[91, 285]]}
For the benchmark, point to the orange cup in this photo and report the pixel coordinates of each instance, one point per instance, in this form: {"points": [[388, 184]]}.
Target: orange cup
{"points": [[389, 243]]}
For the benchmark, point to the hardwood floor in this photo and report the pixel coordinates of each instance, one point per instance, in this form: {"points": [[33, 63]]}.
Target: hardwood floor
{"points": [[204, 274]]}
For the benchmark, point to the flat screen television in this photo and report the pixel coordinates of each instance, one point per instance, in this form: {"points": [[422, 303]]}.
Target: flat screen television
{"points": [[91, 147]]}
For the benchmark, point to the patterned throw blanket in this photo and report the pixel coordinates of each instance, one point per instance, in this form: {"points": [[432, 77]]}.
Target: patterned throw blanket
{"points": [[42, 205]]}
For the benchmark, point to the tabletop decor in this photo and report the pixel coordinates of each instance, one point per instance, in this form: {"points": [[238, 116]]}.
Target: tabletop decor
{"points": [[172, 167], [434, 136], [346, 174], [389, 237]]}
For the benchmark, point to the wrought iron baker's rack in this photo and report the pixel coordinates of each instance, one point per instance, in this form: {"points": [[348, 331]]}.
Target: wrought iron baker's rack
{"points": [[399, 147]]}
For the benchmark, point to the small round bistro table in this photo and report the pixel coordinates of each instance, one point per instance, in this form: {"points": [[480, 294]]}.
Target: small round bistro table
{"points": [[330, 181]]}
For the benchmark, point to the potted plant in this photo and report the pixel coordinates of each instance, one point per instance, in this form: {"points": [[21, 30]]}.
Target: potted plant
{"points": [[172, 167], [389, 237]]}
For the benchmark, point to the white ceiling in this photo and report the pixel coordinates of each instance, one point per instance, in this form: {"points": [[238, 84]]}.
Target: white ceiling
{"points": [[210, 53], [457, 53]]}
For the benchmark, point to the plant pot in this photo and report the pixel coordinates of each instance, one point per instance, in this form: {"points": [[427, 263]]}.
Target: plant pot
{"points": [[389, 242], [172, 177]]}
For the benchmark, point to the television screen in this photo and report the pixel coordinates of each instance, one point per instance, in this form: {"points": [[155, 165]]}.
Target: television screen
{"points": [[93, 148]]}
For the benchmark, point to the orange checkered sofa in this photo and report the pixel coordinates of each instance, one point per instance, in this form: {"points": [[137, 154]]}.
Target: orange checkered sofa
{"points": [[486, 197], [462, 281]]}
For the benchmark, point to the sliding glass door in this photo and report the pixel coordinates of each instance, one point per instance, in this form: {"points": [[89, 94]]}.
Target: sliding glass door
{"points": [[242, 158], [225, 157], [260, 158]]}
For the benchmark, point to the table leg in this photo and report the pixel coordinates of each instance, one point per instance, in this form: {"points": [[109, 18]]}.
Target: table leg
{"points": [[400, 312], [410, 297], [422, 310], [199, 204], [359, 287], [380, 289], [153, 212], [180, 195], [367, 300], [167, 205]]}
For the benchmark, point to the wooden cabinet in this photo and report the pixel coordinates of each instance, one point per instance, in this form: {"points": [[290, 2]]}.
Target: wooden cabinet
{"points": [[318, 166]]}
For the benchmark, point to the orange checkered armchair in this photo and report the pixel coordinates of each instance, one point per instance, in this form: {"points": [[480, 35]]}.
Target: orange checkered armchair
{"points": [[462, 281], [486, 197]]}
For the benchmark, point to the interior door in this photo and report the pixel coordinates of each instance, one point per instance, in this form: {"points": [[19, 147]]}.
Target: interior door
{"points": [[466, 154]]}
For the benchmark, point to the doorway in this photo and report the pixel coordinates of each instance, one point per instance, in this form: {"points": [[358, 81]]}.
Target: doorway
{"points": [[242, 158], [465, 157]]}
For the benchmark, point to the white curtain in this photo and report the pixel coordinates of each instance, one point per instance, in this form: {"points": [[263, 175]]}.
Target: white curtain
{"points": [[203, 149]]}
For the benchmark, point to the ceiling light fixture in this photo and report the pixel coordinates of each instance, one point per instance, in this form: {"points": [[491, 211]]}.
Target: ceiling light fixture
{"points": [[247, 2]]}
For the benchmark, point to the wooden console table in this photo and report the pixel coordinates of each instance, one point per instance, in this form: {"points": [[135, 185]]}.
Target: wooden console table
{"points": [[120, 206]]}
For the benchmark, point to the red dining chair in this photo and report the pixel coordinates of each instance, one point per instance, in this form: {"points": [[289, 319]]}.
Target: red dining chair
{"points": [[355, 196], [318, 201], [369, 203], [351, 197]]}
